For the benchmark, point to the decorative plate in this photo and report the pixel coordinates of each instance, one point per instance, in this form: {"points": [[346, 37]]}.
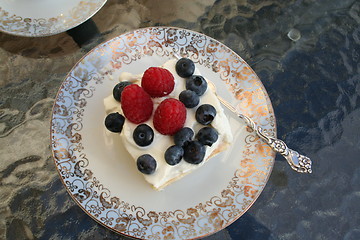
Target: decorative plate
{"points": [[38, 18], [103, 179]]}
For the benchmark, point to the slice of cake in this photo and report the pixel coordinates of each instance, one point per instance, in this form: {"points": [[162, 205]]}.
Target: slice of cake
{"points": [[168, 120]]}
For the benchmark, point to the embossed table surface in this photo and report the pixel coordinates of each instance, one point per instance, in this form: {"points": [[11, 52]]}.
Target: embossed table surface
{"points": [[307, 55]]}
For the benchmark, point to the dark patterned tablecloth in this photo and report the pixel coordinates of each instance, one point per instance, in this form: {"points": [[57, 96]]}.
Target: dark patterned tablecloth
{"points": [[306, 53]]}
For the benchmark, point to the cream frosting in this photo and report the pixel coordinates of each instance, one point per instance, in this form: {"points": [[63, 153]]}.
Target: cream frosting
{"points": [[165, 172]]}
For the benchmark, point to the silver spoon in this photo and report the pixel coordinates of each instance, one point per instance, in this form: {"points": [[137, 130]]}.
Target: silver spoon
{"points": [[298, 162]]}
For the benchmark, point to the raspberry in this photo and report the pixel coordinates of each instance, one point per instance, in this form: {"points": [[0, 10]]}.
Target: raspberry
{"points": [[136, 104], [169, 116], [157, 82]]}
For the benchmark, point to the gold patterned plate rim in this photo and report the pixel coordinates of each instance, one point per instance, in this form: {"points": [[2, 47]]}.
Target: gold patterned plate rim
{"points": [[34, 25], [103, 180]]}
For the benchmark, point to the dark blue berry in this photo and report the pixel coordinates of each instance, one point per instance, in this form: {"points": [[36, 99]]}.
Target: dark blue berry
{"points": [[118, 90], [185, 67], [146, 164], [183, 136], [207, 136], [197, 84], [174, 154], [114, 122], [194, 152], [143, 135], [205, 114], [189, 98]]}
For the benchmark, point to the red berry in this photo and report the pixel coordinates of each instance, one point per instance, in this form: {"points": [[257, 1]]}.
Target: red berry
{"points": [[136, 104], [169, 116], [157, 82]]}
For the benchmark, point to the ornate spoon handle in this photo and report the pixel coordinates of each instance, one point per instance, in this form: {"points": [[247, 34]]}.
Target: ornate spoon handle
{"points": [[298, 162]]}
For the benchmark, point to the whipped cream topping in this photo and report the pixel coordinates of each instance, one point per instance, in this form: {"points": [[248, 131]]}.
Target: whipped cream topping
{"points": [[165, 172]]}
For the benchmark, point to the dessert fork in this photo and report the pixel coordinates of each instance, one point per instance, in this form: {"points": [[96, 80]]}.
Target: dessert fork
{"points": [[297, 162]]}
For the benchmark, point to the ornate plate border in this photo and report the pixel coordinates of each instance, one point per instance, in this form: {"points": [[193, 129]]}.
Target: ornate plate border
{"points": [[96, 200], [40, 27]]}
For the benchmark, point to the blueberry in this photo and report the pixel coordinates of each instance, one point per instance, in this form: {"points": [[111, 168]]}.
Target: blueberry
{"points": [[185, 67], [174, 154], [183, 136], [189, 98], [146, 164], [114, 122], [118, 90], [197, 84], [143, 135], [205, 114], [194, 152], [207, 136]]}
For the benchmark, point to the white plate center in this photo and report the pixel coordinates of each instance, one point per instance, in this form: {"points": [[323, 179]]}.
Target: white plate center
{"points": [[39, 8]]}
